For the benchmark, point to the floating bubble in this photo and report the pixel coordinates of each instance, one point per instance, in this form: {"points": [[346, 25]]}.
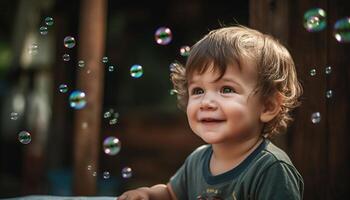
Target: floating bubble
{"points": [[13, 115], [77, 99], [106, 175], [312, 72], [69, 42], [105, 59], [81, 63], [33, 49], [163, 36], [107, 114], [126, 172], [49, 21], [63, 88], [173, 91], [315, 20], [111, 145], [113, 121], [136, 71], [328, 70], [24, 137], [111, 68], [173, 66], [185, 51], [89, 167], [43, 30], [329, 94], [116, 115], [66, 57], [342, 30], [94, 173], [316, 117]]}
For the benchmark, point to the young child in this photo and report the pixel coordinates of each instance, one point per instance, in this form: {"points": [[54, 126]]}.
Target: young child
{"points": [[237, 88]]}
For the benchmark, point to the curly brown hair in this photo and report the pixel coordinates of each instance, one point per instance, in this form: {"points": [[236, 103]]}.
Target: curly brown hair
{"points": [[224, 46]]}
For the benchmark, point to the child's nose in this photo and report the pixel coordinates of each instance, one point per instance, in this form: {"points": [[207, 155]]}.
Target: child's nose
{"points": [[208, 102]]}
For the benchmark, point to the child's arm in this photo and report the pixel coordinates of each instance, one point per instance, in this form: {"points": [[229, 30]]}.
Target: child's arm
{"points": [[160, 191]]}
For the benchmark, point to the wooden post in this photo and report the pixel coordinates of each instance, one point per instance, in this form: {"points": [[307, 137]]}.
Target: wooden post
{"points": [[91, 46]]}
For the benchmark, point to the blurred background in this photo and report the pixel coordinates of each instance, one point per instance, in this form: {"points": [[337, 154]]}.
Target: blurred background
{"points": [[77, 119]]}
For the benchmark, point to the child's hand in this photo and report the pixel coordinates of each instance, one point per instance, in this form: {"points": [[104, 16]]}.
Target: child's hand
{"points": [[137, 194]]}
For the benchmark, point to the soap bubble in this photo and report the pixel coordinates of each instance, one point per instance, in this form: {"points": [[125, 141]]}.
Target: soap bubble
{"points": [[77, 99], [342, 30], [328, 70], [66, 57], [111, 146], [312, 72], [24, 137], [163, 36], [111, 68], [63, 88], [106, 175], [126, 172], [316, 117], [43, 30], [14, 116], [49, 21], [185, 51], [69, 42], [315, 20], [329, 94], [136, 71], [105, 59], [81, 63], [33, 49]]}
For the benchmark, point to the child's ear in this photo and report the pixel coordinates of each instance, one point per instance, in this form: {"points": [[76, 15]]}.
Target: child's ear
{"points": [[271, 107]]}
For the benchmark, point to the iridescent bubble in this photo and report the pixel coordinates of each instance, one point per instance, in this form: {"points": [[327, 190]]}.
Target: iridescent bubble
{"points": [[172, 66], [328, 70], [113, 121], [49, 21], [69, 42], [89, 167], [315, 20], [105, 59], [185, 51], [81, 63], [77, 99], [173, 91], [63, 88], [107, 114], [66, 57], [111, 68], [24, 137], [126, 172], [111, 145], [342, 30], [14, 116], [312, 72], [43, 30], [33, 49], [163, 36], [106, 175], [329, 94], [136, 71], [316, 117]]}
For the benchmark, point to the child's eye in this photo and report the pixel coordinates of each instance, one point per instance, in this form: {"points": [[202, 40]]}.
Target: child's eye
{"points": [[227, 89], [197, 90]]}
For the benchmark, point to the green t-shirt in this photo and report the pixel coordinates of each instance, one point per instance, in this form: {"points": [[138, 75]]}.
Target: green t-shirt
{"points": [[267, 173]]}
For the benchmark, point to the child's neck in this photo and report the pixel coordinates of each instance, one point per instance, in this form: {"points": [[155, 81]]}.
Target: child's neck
{"points": [[227, 156]]}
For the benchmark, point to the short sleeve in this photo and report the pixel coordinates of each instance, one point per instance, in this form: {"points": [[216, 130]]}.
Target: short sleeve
{"points": [[280, 181], [178, 182]]}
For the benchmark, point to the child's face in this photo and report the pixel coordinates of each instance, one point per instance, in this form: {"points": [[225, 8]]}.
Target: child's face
{"points": [[225, 110]]}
